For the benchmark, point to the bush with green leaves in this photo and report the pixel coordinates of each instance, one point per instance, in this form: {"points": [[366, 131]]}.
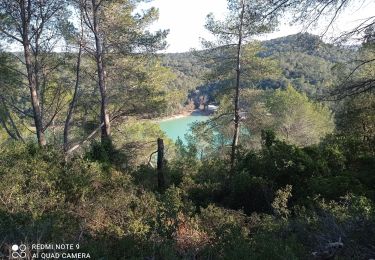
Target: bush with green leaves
{"points": [[45, 198], [279, 202]]}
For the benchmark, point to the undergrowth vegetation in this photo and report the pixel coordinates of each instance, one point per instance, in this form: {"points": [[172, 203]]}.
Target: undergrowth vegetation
{"points": [[281, 202]]}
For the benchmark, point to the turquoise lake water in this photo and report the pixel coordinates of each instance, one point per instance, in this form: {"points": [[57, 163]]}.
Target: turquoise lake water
{"points": [[178, 127]]}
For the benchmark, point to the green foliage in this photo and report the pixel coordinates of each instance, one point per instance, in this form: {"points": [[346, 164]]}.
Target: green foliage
{"points": [[101, 151], [107, 199], [140, 86], [355, 118], [136, 141], [288, 114], [280, 203], [298, 120], [250, 193], [291, 115], [9, 84], [229, 232], [188, 73], [171, 206], [32, 188], [119, 214], [56, 201], [303, 60]]}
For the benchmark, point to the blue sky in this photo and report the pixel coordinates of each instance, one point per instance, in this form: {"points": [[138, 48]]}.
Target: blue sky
{"points": [[186, 19]]}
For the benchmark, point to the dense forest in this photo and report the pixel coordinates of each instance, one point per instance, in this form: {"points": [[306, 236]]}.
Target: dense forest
{"points": [[283, 168], [305, 61]]}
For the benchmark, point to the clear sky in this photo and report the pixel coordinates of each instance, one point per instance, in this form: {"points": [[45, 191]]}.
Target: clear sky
{"points": [[186, 19]]}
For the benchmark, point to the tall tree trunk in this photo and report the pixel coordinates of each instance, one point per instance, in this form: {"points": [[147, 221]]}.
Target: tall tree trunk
{"points": [[34, 98], [106, 128], [237, 90], [75, 95], [26, 16], [160, 165]]}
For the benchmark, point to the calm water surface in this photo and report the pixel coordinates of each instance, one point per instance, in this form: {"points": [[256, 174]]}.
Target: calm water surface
{"points": [[178, 127]]}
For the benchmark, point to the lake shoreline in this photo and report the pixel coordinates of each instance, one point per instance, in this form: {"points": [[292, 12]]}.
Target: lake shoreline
{"points": [[196, 112], [178, 126]]}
